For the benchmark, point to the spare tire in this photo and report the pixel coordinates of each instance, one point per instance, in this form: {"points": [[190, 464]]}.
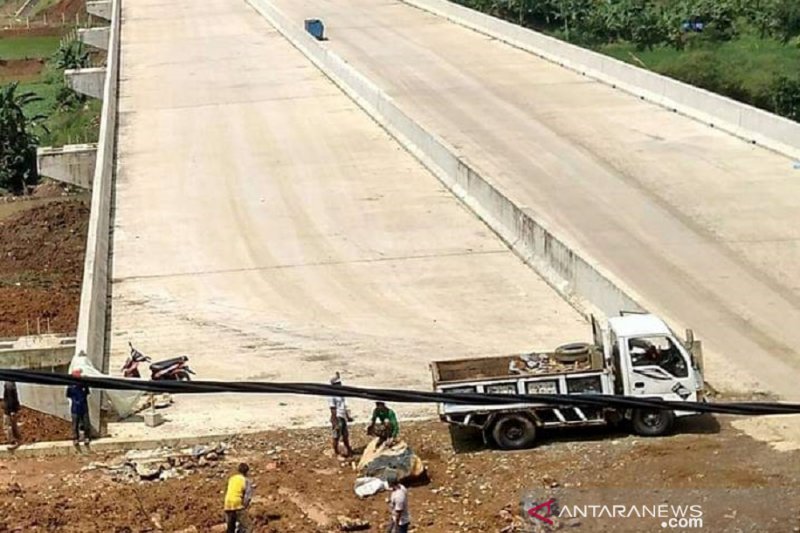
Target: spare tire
{"points": [[576, 352]]}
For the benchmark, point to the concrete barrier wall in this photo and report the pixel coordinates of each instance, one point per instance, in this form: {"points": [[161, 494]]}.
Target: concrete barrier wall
{"points": [[581, 282], [91, 335], [742, 120]]}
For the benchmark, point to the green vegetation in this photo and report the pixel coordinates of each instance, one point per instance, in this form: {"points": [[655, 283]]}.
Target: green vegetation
{"points": [[748, 50], [43, 112], [28, 47], [17, 140]]}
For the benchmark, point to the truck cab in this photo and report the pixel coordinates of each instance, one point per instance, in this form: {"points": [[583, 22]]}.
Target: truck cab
{"points": [[648, 360]]}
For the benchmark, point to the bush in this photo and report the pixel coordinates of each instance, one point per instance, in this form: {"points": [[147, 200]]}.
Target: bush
{"points": [[701, 70], [786, 97], [17, 141]]}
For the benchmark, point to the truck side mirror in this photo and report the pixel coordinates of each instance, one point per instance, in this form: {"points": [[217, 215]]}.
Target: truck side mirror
{"points": [[689, 339]]}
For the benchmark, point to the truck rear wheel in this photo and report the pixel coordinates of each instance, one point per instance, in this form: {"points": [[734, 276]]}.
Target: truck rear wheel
{"points": [[652, 422], [514, 432]]}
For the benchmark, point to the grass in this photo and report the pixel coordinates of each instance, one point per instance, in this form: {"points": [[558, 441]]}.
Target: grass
{"points": [[28, 47], [750, 61], [70, 125]]}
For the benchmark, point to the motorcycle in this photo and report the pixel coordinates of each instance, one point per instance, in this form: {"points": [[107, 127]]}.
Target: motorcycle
{"points": [[174, 369]]}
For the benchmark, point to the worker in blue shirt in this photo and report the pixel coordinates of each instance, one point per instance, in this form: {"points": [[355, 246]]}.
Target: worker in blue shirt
{"points": [[78, 393]]}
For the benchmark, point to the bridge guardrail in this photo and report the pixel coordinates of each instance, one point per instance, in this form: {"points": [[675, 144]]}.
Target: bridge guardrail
{"points": [[742, 120], [93, 313]]}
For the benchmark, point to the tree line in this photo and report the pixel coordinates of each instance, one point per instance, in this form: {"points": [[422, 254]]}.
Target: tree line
{"points": [[678, 24]]}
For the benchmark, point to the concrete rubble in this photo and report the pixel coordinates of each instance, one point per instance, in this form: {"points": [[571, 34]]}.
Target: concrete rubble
{"points": [[160, 464]]}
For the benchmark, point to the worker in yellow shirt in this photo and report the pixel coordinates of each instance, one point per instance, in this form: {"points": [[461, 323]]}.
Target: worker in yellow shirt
{"points": [[237, 500]]}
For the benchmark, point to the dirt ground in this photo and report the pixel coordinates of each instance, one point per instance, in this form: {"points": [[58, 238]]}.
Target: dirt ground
{"points": [[742, 485], [41, 266], [39, 427], [20, 69]]}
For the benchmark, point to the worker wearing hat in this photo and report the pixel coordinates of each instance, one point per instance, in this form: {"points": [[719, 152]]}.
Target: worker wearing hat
{"points": [[340, 417]]}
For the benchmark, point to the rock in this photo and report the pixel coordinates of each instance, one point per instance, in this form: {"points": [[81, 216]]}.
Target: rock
{"points": [[190, 529], [155, 518], [351, 524], [148, 471], [377, 462]]}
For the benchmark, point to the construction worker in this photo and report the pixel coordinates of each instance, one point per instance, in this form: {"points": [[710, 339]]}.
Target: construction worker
{"points": [[238, 496], [398, 505], [340, 417], [383, 424], [11, 409], [78, 394]]}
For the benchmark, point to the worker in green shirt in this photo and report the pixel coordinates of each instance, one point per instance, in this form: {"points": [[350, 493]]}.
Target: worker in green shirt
{"points": [[383, 424]]}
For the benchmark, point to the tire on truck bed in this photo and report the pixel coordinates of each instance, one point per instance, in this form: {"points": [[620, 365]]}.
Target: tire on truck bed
{"points": [[576, 352], [514, 431]]}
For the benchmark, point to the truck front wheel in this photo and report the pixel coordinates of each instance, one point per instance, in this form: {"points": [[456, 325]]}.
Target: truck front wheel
{"points": [[514, 432], [652, 422]]}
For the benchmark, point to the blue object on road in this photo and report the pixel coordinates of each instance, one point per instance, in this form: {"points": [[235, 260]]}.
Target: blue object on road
{"points": [[315, 28]]}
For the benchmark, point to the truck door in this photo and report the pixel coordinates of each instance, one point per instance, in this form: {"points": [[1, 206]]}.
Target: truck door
{"points": [[659, 367]]}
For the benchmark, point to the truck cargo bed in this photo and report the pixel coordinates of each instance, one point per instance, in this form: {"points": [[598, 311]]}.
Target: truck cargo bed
{"points": [[504, 366]]}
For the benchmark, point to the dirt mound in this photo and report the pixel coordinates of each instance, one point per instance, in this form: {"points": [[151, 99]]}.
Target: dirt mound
{"points": [[68, 8], [39, 427], [20, 69], [41, 31], [41, 266]]}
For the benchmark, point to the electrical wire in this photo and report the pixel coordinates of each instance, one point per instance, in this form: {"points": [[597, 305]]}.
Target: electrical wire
{"points": [[400, 395]]}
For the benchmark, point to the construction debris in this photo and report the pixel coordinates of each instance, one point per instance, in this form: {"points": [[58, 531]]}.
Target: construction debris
{"points": [[160, 464], [544, 363], [352, 524]]}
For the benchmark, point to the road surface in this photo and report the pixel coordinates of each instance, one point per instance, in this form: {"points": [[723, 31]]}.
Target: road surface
{"points": [[702, 225], [266, 227]]}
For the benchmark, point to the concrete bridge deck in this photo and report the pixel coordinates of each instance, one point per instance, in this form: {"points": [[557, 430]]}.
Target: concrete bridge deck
{"points": [[266, 227], [702, 225]]}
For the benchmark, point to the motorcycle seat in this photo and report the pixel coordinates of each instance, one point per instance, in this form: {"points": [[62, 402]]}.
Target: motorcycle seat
{"points": [[166, 363]]}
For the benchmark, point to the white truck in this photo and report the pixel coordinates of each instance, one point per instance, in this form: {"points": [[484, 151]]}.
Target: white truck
{"points": [[635, 355]]}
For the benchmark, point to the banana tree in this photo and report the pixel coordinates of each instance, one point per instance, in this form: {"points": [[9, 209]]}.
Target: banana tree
{"points": [[17, 139]]}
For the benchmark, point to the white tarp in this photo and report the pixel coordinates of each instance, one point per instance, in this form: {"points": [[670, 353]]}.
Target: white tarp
{"points": [[124, 403]]}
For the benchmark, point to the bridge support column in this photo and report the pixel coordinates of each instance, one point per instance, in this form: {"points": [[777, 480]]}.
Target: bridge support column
{"points": [[88, 81], [96, 37], [51, 353], [73, 163], [100, 9]]}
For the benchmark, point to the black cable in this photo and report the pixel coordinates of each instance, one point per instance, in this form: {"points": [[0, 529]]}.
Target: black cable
{"points": [[399, 395]]}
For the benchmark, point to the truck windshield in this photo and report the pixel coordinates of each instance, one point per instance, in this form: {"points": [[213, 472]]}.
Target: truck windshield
{"points": [[658, 351]]}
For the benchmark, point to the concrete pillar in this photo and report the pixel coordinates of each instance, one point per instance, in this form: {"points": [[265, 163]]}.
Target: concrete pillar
{"points": [[73, 163], [50, 353], [100, 9], [88, 81], [96, 37]]}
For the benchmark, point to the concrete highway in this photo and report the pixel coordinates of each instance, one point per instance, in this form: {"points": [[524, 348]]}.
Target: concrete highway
{"points": [[266, 227], [702, 225]]}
